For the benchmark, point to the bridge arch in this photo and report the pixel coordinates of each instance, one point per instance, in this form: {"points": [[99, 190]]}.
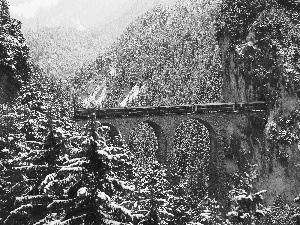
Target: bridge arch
{"points": [[213, 151], [161, 152], [112, 134]]}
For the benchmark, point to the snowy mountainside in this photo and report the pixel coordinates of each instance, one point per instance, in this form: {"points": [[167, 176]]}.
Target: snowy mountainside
{"points": [[169, 52]]}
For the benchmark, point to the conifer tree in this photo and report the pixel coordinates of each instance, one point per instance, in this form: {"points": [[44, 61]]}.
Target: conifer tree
{"points": [[14, 55], [85, 187]]}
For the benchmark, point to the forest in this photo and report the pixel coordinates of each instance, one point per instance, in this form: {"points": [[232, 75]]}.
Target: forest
{"points": [[57, 171]]}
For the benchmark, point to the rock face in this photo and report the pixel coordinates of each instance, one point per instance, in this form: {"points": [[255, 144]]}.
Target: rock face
{"points": [[254, 67], [235, 88]]}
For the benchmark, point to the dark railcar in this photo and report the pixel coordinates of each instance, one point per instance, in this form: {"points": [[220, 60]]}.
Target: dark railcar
{"points": [[141, 111], [252, 106], [176, 109], [78, 113], [81, 113], [213, 107], [110, 112], [164, 109]]}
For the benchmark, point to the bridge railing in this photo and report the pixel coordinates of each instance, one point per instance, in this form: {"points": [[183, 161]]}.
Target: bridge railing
{"points": [[82, 113]]}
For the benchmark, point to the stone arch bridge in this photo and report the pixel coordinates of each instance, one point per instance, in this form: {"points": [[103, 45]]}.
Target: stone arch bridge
{"points": [[220, 124]]}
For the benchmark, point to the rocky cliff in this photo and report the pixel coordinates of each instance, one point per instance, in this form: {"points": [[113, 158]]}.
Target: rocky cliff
{"points": [[259, 43]]}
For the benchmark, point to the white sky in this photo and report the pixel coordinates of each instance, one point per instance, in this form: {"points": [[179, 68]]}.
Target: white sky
{"points": [[29, 8], [94, 12]]}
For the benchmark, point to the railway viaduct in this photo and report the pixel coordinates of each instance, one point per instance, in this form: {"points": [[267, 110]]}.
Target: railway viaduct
{"points": [[221, 127]]}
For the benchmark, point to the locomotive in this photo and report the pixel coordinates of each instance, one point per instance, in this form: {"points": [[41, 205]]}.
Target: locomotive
{"points": [[175, 109]]}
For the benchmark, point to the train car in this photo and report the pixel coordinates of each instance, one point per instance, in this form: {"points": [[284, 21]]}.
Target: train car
{"points": [[110, 112], [176, 109], [215, 107], [182, 109], [154, 110], [79, 113], [163, 109], [141, 111], [252, 106]]}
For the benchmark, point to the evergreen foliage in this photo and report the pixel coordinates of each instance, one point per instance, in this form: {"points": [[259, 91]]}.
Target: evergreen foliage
{"points": [[169, 53], [14, 59]]}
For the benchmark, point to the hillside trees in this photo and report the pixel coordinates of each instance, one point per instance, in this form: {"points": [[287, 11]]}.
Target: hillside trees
{"points": [[14, 59], [170, 53], [59, 52], [32, 141], [173, 52]]}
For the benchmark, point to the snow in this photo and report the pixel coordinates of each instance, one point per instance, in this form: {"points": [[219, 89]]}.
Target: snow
{"points": [[78, 162], [205, 216], [262, 212], [5, 150], [83, 192], [31, 167], [104, 153], [56, 222], [245, 215], [103, 196], [48, 178], [261, 192], [123, 209], [22, 208], [72, 220], [30, 197], [243, 196], [164, 211], [73, 169], [232, 213], [112, 222]]}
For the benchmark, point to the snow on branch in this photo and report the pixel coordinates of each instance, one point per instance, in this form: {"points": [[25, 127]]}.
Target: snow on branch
{"points": [[116, 207], [103, 196], [72, 169], [59, 204], [32, 167], [75, 220], [48, 178], [34, 200]]}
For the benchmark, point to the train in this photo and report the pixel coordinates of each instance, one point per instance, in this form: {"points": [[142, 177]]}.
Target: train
{"points": [[175, 109]]}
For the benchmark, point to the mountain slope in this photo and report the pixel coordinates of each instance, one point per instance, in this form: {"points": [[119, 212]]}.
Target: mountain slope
{"points": [[169, 52]]}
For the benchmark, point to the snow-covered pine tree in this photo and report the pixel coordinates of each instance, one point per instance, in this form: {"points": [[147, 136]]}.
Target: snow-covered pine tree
{"points": [[150, 201], [37, 157], [86, 185], [9, 139], [14, 55], [41, 136], [246, 204]]}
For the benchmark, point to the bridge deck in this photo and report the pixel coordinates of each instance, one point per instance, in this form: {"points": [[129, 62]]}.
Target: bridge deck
{"points": [[81, 113]]}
